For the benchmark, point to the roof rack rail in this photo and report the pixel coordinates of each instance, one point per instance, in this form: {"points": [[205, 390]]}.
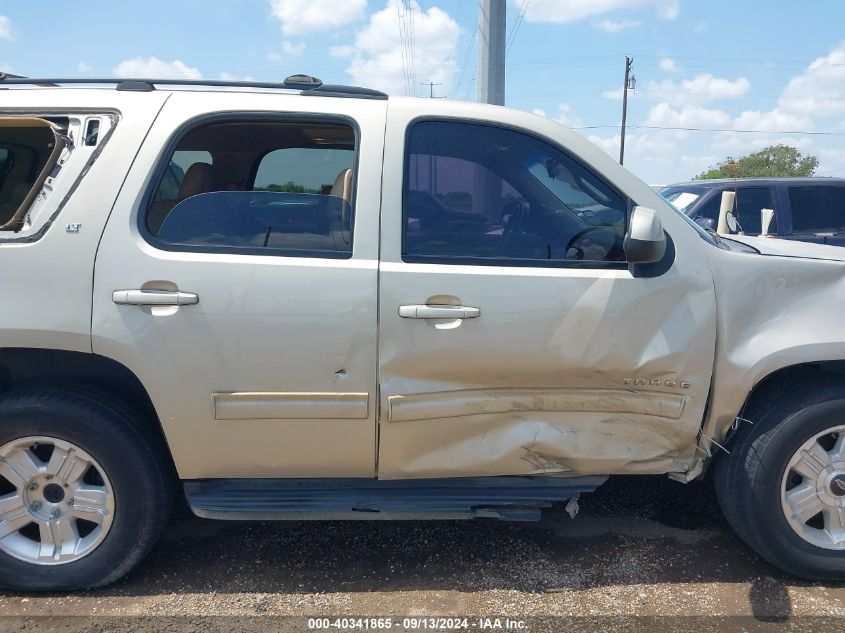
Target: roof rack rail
{"points": [[306, 84]]}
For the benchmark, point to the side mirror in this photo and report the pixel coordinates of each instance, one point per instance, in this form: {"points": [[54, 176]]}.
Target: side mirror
{"points": [[645, 242], [704, 223]]}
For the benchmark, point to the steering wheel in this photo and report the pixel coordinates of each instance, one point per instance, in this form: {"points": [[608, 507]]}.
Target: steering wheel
{"points": [[516, 213], [608, 245]]}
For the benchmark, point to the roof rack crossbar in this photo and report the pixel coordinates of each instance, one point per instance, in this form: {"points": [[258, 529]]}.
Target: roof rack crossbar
{"points": [[147, 84]]}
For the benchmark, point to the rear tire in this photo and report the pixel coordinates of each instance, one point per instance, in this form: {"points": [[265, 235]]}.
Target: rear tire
{"points": [[127, 471], [796, 522]]}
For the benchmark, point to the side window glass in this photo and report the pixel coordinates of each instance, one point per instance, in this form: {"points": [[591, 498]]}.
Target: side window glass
{"points": [[817, 209], [5, 164], [493, 195], [749, 201], [260, 188], [710, 209], [175, 172]]}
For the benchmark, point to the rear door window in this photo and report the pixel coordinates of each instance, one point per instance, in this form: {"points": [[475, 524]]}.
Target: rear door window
{"points": [[817, 209], [261, 187]]}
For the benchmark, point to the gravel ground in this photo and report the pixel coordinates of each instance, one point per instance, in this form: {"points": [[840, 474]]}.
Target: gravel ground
{"points": [[641, 552]]}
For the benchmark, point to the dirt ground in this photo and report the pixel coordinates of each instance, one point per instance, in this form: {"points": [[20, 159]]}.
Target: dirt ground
{"points": [[642, 554]]}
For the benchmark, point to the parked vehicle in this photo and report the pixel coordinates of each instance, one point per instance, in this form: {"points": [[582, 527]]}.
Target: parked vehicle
{"points": [[805, 209], [301, 301]]}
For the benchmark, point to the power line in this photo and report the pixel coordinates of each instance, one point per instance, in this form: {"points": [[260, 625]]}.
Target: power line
{"points": [[520, 16], [466, 57], [413, 42], [405, 71], [701, 129]]}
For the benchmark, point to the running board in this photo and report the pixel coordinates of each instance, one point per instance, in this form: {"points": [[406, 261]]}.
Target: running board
{"points": [[508, 498]]}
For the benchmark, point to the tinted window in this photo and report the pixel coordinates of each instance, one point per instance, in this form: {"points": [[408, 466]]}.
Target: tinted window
{"points": [[275, 188], [302, 170], [817, 209], [493, 195], [260, 220], [710, 209], [175, 172], [749, 200], [5, 164]]}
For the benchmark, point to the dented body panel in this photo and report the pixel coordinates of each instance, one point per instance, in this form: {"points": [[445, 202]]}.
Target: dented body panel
{"points": [[290, 367], [566, 371], [776, 309]]}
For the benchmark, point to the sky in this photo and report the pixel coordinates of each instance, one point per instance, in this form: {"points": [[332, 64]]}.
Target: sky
{"points": [[714, 79]]}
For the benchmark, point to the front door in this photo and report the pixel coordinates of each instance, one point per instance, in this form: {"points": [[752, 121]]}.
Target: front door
{"points": [[514, 339], [237, 279]]}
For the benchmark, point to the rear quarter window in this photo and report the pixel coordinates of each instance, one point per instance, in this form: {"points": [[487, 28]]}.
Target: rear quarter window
{"points": [[817, 209]]}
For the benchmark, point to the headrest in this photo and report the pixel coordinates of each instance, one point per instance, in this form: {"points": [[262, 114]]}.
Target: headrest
{"points": [[198, 179], [342, 187]]}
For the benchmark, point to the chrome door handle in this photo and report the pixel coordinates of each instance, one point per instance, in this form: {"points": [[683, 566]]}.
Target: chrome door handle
{"points": [[438, 312], [154, 298]]}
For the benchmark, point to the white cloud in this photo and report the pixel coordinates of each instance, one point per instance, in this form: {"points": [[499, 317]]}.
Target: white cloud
{"points": [[342, 52], [377, 55], [154, 68], [668, 65], [294, 49], [663, 115], [700, 89], [84, 69], [772, 121], [567, 116], [820, 89], [273, 57], [6, 67], [565, 11], [614, 27], [5, 28], [311, 16]]}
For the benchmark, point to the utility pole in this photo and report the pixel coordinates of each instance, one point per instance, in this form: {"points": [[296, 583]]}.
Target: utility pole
{"points": [[491, 51], [431, 85], [630, 82]]}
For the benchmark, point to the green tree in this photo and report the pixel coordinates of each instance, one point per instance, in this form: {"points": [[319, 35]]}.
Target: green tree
{"points": [[288, 187], [773, 162]]}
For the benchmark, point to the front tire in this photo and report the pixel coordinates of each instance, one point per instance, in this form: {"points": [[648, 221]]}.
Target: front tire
{"points": [[782, 488], [84, 493]]}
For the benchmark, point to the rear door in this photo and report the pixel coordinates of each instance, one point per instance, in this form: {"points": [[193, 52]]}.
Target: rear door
{"points": [[514, 339], [237, 278]]}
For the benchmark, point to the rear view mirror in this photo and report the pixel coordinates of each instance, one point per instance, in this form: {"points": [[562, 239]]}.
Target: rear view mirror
{"points": [[645, 241]]}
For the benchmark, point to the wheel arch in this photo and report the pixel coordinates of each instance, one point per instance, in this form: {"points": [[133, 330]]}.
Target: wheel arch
{"points": [[808, 374], [23, 368]]}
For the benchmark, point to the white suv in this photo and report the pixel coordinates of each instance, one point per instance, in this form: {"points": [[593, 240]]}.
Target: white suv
{"points": [[308, 301]]}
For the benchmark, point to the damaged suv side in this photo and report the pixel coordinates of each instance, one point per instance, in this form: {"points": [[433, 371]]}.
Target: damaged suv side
{"points": [[301, 301]]}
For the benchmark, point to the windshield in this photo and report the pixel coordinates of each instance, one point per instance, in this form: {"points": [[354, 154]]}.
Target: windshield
{"points": [[683, 198]]}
